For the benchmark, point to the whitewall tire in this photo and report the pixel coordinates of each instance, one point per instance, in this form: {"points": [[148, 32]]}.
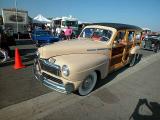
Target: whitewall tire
{"points": [[88, 84]]}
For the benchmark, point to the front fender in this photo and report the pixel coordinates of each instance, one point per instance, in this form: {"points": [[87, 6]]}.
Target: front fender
{"points": [[80, 65]]}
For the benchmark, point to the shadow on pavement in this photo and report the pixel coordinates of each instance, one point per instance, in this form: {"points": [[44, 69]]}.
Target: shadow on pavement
{"points": [[153, 107], [26, 58], [113, 75], [110, 77]]}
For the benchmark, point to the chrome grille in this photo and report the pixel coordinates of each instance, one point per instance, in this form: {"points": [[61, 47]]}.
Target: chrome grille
{"points": [[52, 78], [49, 67]]}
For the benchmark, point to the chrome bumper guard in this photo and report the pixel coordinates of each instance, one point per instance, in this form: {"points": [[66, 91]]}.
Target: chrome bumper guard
{"points": [[54, 83]]}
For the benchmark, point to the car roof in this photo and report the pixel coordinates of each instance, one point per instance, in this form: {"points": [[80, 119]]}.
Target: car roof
{"points": [[119, 26]]}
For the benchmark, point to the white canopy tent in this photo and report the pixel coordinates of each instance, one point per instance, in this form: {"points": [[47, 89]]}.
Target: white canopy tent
{"points": [[40, 19]]}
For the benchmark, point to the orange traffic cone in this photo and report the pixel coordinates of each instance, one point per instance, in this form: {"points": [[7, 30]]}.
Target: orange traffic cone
{"points": [[18, 62]]}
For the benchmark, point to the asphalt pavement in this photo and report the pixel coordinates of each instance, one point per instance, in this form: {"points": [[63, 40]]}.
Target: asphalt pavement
{"points": [[129, 93], [20, 85], [132, 95]]}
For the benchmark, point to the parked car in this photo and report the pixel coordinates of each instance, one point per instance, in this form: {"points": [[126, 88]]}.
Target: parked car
{"points": [[151, 42], [78, 64], [6, 40], [43, 37]]}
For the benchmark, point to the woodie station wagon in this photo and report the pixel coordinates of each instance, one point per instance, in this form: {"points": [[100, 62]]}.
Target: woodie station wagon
{"points": [[77, 65]]}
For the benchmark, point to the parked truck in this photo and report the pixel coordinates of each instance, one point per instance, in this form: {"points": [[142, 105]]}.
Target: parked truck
{"points": [[16, 21], [63, 22]]}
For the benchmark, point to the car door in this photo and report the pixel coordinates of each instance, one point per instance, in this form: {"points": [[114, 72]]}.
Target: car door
{"points": [[118, 46], [130, 39]]}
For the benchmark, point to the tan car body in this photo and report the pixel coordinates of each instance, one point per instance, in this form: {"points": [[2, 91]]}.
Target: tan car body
{"points": [[83, 56]]}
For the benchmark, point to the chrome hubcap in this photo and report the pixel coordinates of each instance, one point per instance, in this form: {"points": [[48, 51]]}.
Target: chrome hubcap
{"points": [[87, 83]]}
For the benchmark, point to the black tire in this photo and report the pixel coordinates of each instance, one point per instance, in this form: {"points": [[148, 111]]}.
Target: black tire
{"points": [[132, 59], [3, 55], [157, 49], [37, 43], [138, 57]]}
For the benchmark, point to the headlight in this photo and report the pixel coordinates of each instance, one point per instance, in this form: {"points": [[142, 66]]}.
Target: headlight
{"points": [[65, 70]]}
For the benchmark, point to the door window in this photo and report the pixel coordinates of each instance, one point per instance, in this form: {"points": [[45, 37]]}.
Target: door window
{"points": [[120, 38], [131, 36]]}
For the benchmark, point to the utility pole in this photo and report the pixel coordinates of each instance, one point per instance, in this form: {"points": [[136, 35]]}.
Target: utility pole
{"points": [[16, 17]]}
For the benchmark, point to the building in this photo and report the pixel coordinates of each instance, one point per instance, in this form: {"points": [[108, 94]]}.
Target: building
{"points": [[16, 20]]}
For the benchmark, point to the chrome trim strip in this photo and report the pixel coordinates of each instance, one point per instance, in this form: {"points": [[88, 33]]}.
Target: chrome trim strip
{"points": [[53, 85], [51, 64], [102, 48], [97, 49], [91, 49]]}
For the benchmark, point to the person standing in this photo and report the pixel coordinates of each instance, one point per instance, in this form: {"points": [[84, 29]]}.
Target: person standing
{"points": [[68, 33], [53, 30], [62, 36], [58, 31]]}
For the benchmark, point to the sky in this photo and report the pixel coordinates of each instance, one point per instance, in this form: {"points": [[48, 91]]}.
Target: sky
{"points": [[143, 13]]}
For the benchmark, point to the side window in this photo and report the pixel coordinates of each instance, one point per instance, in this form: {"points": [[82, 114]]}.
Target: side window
{"points": [[138, 36], [120, 36], [106, 35], [131, 36]]}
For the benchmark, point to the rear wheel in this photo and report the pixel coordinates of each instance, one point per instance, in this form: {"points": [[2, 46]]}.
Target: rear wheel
{"points": [[88, 84], [157, 49], [132, 60], [3, 55]]}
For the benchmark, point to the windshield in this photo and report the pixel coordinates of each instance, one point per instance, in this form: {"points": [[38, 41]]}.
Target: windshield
{"points": [[96, 34], [70, 23]]}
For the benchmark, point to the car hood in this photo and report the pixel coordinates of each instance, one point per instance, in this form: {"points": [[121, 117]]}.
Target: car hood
{"points": [[76, 46]]}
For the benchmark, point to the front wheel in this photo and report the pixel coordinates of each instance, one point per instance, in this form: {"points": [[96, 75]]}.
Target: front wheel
{"points": [[88, 84]]}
